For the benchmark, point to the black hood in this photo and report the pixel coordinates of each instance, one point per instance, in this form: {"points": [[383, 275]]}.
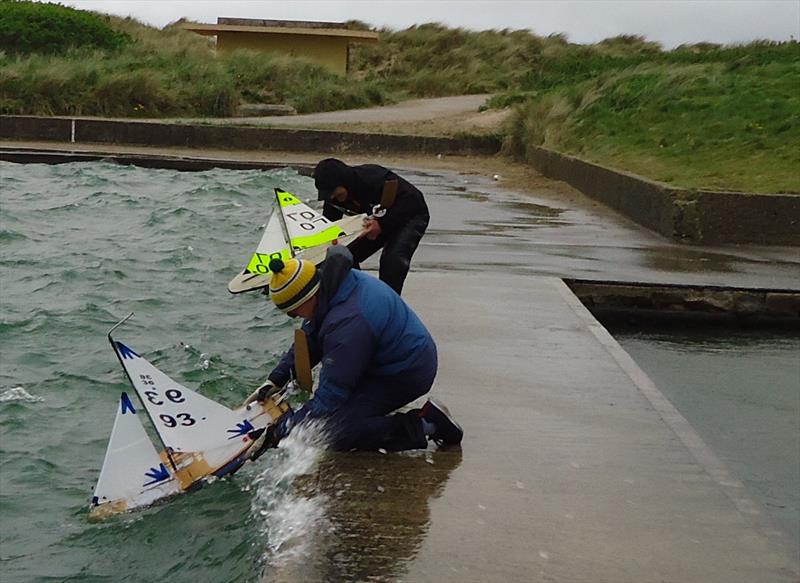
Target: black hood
{"points": [[331, 173]]}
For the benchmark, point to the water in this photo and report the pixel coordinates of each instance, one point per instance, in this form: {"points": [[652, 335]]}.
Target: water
{"points": [[83, 245], [740, 389]]}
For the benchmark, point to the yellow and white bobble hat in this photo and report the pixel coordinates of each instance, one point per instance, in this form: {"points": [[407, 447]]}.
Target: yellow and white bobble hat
{"points": [[293, 282]]}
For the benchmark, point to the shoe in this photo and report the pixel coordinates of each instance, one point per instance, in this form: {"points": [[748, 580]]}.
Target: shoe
{"points": [[448, 432]]}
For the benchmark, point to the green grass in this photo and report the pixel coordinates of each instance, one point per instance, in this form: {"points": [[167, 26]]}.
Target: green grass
{"points": [[27, 27], [715, 124], [700, 116], [167, 73]]}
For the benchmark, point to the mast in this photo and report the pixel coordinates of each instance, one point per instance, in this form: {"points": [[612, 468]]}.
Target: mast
{"points": [[130, 380], [283, 223]]}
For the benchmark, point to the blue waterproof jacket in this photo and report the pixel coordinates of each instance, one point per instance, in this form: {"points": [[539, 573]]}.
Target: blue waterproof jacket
{"points": [[361, 330]]}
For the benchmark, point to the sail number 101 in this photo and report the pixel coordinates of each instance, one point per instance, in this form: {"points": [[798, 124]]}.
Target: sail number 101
{"points": [[309, 216]]}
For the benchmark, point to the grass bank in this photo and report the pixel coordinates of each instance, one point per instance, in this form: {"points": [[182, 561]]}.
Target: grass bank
{"points": [[701, 116], [721, 119], [166, 72]]}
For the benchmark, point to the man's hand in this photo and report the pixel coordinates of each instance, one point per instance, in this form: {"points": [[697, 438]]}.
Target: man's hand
{"points": [[269, 436], [261, 394], [268, 439], [372, 229]]}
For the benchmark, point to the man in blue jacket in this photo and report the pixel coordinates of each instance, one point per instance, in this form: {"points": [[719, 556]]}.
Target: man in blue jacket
{"points": [[376, 357]]}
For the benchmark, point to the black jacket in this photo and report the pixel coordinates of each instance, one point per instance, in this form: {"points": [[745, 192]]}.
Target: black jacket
{"points": [[365, 188]]}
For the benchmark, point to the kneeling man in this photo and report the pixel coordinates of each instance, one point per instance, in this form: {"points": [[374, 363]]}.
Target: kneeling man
{"points": [[376, 357]]}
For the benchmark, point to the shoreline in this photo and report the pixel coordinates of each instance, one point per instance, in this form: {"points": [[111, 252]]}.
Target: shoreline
{"points": [[695, 217]]}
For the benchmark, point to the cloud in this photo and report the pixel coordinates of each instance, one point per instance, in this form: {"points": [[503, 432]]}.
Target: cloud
{"points": [[670, 22]]}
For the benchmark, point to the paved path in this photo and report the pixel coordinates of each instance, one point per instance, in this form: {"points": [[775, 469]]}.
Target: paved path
{"points": [[413, 110], [574, 468], [478, 226]]}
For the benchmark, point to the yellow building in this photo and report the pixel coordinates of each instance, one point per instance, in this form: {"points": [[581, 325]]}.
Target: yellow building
{"points": [[326, 43]]}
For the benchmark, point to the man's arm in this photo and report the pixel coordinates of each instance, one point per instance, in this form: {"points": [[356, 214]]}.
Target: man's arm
{"points": [[331, 212], [408, 202], [347, 353]]}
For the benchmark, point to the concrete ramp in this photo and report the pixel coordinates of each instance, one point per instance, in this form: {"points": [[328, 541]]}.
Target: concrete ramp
{"points": [[574, 466]]}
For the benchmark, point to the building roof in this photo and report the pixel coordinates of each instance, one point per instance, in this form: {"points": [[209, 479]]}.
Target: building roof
{"points": [[251, 25]]}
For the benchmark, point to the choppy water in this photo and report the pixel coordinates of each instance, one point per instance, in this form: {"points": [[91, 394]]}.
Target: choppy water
{"points": [[83, 244], [740, 389]]}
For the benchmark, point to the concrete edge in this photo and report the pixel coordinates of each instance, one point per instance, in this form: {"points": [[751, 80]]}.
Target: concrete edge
{"points": [[690, 302], [181, 163], [149, 133], [734, 489], [683, 215], [692, 216], [680, 214]]}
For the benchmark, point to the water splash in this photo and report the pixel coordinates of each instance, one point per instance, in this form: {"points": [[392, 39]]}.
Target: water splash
{"points": [[287, 516], [205, 361], [19, 394]]}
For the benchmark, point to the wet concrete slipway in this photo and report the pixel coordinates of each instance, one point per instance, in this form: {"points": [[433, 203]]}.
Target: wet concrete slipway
{"points": [[574, 466]]}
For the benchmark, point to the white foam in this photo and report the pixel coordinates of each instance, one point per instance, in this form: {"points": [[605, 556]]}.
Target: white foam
{"points": [[287, 518], [18, 394]]}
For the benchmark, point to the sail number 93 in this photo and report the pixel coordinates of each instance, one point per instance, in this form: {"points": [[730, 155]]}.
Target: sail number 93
{"points": [[174, 396], [184, 418]]}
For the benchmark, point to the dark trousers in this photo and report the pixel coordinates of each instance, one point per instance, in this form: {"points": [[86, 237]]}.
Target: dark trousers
{"points": [[398, 249], [364, 421]]}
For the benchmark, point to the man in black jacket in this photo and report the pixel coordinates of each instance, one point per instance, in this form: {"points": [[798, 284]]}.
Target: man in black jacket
{"points": [[357, 189]]}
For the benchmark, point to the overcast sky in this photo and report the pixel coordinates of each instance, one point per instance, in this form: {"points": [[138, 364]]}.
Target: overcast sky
{"points": [[670, 22]]}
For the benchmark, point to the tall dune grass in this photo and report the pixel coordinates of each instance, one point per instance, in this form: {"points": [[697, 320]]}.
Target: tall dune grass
{"points": [[727, 122], [166, 73]]}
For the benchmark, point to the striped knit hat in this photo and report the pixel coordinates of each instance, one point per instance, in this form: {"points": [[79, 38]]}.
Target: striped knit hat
{"points": [[293, 282]]}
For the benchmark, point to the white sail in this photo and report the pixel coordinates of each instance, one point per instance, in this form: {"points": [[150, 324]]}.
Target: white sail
{"points": [[202, 438], [133, 474], [307, 234], [185, 420]]}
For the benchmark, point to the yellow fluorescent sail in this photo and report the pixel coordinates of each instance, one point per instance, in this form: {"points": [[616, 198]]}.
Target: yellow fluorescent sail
{"points": [[305, 226], [259, 263], [308, 233]]}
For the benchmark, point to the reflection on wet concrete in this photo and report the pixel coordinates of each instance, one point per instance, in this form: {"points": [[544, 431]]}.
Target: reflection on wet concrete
{"points": [[689, 260], [376, 514], [476, 222]]}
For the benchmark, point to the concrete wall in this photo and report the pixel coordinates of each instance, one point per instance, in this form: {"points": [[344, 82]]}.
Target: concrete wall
{"points": [[680, 214], [330, 52], [661, 301], [232, 137], [745, 217], [648, 203]]}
